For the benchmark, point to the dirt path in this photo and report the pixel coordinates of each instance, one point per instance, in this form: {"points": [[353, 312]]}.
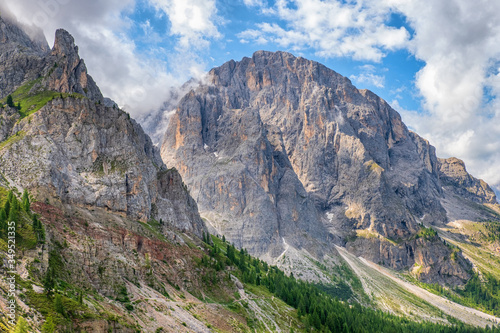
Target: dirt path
{"points": [[365, 270]]}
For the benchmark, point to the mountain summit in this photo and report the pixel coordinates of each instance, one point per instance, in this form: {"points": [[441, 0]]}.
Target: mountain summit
{"points": [[278, 150]]}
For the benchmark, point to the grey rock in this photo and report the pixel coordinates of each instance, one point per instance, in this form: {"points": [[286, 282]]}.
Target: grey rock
{"points": [[278, 147], [23, 61], [80, 153], [77, 151], [455, 177]]}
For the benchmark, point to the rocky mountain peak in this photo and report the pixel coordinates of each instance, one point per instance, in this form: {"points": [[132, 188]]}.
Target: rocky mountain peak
{"points": [[454, 175], [276, 147], [90, 154], [69, 73], [24, 62], [64, 44]]}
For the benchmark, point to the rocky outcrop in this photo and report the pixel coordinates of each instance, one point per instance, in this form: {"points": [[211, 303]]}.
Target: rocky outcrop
{"points": [[248, 185], [21, 58], [77, 151], [81, 153], [427, 259], [275, 143], [454, 176], [69, 73], [23, 61], [8, 117]]}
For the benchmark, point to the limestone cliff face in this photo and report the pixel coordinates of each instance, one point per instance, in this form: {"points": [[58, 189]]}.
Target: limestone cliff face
{"points": [[75, 150], [455, 177], [277, 147], [240, 174]]}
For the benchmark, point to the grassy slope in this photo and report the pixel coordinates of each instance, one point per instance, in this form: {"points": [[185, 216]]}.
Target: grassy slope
{"points": [[32, 102]]}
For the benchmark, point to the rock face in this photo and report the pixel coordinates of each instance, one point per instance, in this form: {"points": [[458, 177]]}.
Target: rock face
{"points": [[21, 58], [76, 151], [454, 176], [278, 148]]}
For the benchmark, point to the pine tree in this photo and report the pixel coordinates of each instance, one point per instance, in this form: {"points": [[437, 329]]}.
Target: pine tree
{"points": [[314, 320], [26, 201], [223, 238], [48, 281], [49, 326], [3, 222], [21, 326], [18, 107], [14, 210], [38, 229], [10, 101], [58, 305]]}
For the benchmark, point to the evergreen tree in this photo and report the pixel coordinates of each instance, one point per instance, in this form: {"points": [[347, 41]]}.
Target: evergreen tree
{"points": [[38, 229], [10, 101], [18, 107], [26, 201], [3, 222], [14, 210], [223, 238], [7, 205], [21, 326], [49, 326], [48, 281], [58, 305], [3, 215]]}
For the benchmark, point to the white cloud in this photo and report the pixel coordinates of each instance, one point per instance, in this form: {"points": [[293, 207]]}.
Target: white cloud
{"points": [[370, 79], [254, 3], [333, 28], [458, 41], [368, 76], [192, 20]]}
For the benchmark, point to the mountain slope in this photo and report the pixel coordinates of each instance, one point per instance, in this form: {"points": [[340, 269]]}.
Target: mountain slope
{"points": [[277, 148]]}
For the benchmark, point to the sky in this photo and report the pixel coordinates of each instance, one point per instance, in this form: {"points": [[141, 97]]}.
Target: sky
{"points": [[436, 62]]}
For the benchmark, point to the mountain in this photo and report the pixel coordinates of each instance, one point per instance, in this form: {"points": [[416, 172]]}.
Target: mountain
{"points": [[108, 239], [78, 151], [109, 224], [281, 151]]}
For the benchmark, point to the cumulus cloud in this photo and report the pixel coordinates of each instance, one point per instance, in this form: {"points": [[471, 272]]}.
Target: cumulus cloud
{"points": [[138, 82], [332, 28], [192, 20], [458, 41], [370, 79]]}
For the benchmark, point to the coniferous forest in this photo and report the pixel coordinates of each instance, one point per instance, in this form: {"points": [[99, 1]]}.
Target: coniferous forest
{"points": [[315, 307]]}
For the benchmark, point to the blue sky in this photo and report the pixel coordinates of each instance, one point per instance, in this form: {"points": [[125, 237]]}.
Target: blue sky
{"points": [[436, 62]]}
